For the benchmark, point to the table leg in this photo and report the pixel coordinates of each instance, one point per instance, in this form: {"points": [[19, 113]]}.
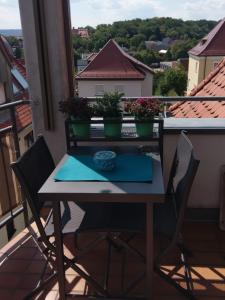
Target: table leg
{"points": [[149, 250], [59, 250]]}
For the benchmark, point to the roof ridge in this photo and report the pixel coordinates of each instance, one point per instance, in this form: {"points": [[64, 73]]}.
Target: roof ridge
{"points": [[201, 48], [132, 59], [90, 63]]}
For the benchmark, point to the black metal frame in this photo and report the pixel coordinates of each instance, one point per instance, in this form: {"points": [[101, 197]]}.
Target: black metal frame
{"points": [[156, 137], [175, 240], [8, 221]]}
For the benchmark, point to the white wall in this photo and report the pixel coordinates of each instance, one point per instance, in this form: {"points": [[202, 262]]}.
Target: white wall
{"points": [[132, 88], [210, 149], [147, 85]]}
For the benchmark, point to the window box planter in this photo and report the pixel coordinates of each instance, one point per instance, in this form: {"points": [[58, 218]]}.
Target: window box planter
{"points": [[112, 127], [81, 128], [144, 128]]}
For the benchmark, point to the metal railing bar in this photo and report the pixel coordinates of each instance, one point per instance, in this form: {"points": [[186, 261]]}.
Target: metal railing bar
{"points": [[9, 105], [170, 99], [5, 130], [12, 215]]}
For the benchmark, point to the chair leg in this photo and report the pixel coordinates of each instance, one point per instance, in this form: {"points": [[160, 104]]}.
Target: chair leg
{"points": [[121, 243], [40, 287], [187, 273], [123, 270], [168, 279], [108, 264]]}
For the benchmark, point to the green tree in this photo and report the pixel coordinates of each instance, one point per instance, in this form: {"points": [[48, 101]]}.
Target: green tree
{"points": [[18, 52], [172, 82], [137, 39]]}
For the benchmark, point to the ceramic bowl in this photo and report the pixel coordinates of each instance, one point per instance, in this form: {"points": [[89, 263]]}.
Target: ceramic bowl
{"points": [[105, 160]]}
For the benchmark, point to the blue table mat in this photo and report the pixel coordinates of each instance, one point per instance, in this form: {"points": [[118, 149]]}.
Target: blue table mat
{"points": [[128, 168]]}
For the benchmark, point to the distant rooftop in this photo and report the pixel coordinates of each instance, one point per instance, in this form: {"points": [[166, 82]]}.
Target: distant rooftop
{"points": [[213, 44], [20, 85], [113, 63], [213, 85]]}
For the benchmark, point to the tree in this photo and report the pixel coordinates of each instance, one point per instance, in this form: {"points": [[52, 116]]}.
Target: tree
{"points": [[18, 52], [172, 81], [136, 40]]}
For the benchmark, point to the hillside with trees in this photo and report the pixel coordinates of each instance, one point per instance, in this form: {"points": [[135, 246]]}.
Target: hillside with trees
{"points": [[132, 35]]}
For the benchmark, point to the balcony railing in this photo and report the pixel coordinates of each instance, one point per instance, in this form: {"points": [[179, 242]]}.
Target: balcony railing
{"points": [[11, 206]]}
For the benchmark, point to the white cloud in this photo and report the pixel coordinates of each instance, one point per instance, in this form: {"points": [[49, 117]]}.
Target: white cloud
{"points": [[9, 12], [93, 12], [201, 9]]}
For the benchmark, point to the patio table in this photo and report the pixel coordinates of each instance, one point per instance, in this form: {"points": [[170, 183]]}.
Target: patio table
{"points": [[105, 191]]}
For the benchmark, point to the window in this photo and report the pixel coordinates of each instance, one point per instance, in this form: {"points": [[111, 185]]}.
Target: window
{"points": [[99, 90], [119, 89]]}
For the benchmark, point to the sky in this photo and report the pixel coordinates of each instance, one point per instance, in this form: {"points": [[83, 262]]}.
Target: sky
{"points": [[94, 12]]}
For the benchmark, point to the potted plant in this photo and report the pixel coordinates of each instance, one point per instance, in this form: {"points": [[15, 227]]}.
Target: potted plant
{"points": [[79, 112], [109, 108], [143, 110]]}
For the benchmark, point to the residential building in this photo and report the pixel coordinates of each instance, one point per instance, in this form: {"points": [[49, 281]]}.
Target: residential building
{"points": [[82, 32], [22, 262], [15, 87], [86, 58], [205, 56], [213, 85], [112, 69]]}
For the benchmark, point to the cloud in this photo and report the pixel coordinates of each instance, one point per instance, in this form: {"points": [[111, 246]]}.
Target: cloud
{"points": [[10, 16], [108, 11], [93, 12], [202, 9]]}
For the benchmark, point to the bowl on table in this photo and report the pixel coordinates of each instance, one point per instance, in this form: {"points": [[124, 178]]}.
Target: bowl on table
{"points": [[105, 160]]}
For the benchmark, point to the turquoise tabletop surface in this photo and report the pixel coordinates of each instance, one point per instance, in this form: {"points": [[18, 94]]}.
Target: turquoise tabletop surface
{"points": [[129, 167]]}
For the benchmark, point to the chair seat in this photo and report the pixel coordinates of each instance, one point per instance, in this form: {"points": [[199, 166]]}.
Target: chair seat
{"points": [[132, 218], [78, 218]]}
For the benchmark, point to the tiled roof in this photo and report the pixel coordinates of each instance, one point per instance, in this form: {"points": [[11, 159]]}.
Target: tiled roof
{"points": [[213, 85], [113, 63], [212, 44], [6, 50], [23, 117]]}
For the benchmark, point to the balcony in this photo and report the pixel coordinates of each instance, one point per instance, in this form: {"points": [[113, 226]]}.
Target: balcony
{"points": [[21, 261]]}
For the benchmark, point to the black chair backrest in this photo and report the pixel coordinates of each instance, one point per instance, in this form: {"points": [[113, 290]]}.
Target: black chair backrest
{"points": [[183, 171], [32, 169]]}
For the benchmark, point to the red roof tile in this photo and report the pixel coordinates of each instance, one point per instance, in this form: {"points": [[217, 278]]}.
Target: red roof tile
{"points": [[212, 44], [113, 63], [23, 117], [212, 85]]}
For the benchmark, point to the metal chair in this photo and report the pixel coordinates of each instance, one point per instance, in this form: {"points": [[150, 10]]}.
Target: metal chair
{"points": [[32, 170], [168, 217]]}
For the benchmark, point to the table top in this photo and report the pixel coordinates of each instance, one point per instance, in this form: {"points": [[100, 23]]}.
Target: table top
{"points": [[105, 191]]}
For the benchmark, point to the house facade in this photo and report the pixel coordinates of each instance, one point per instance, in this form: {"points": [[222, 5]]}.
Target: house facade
{"points": [[14, 86], [206, 55], [111, 70], [212, 85]]}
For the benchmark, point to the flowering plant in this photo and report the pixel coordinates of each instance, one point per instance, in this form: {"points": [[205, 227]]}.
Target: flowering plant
{"points": [[143, 108], [76, 107], [108, 106]]}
